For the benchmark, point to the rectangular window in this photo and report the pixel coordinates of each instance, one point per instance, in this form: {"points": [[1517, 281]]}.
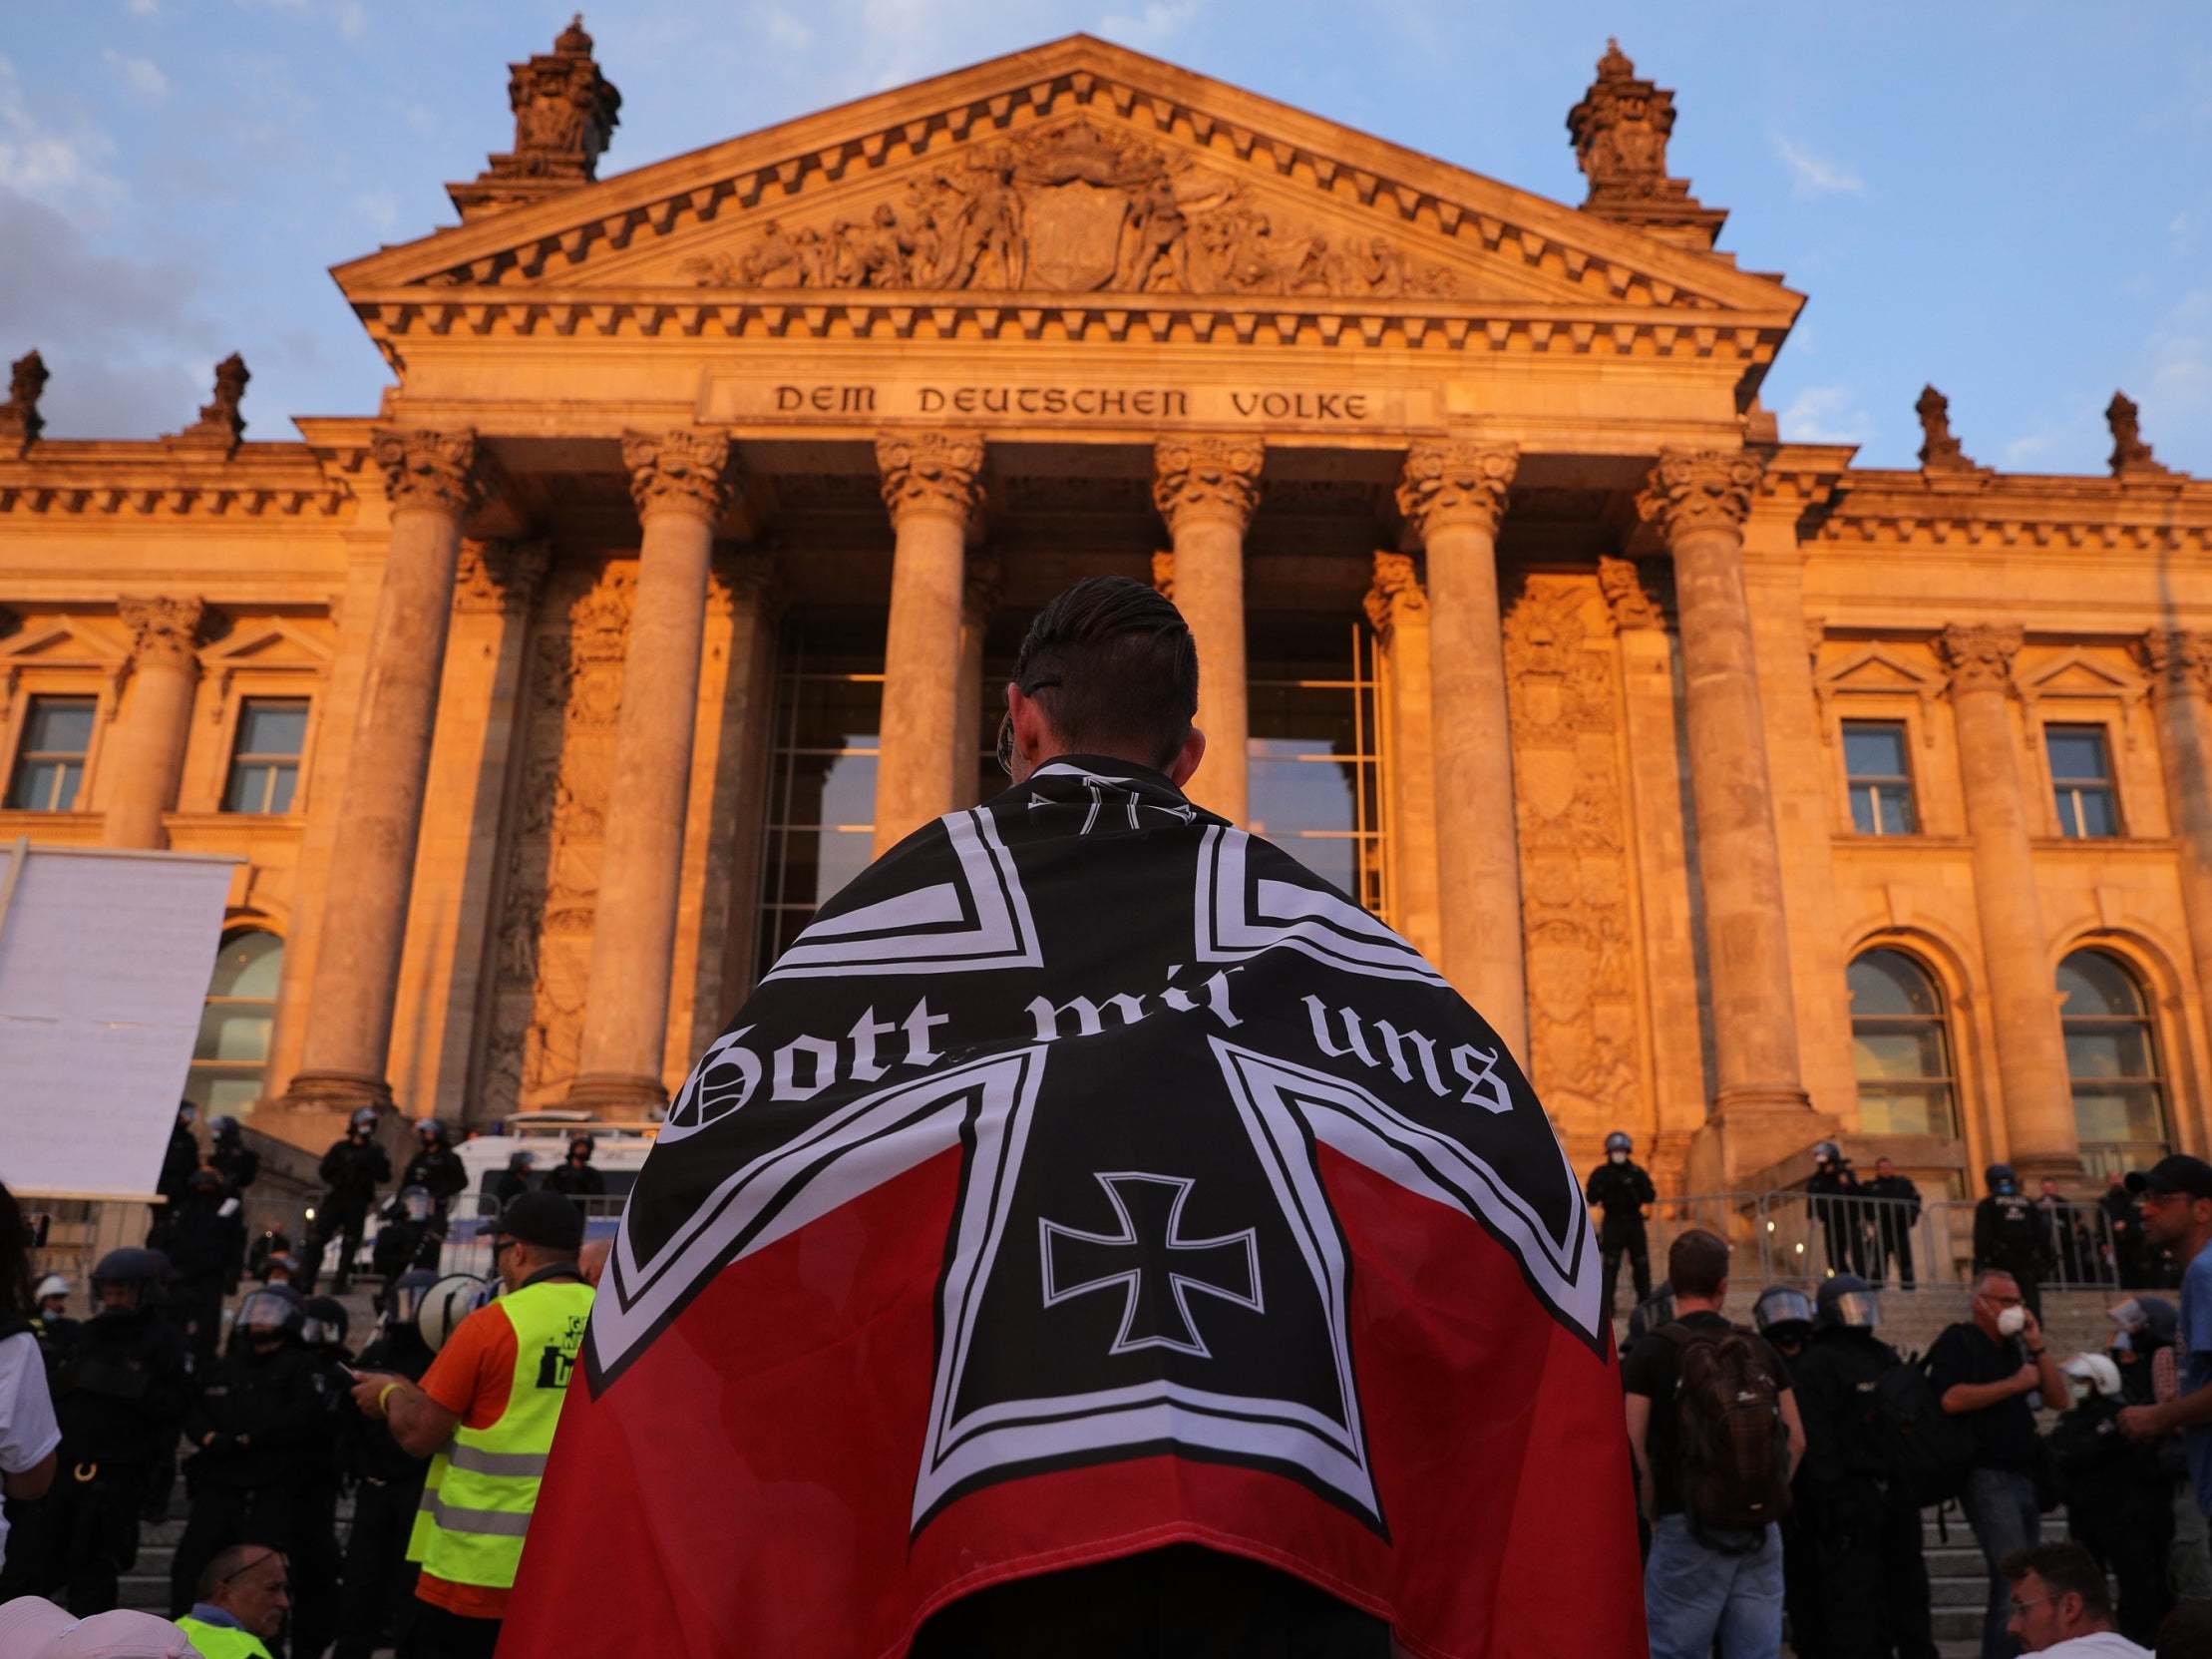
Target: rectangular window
{"points": [[2081, 781], [50, 765], [1877, 764], [1314, 773], [264, 760]]}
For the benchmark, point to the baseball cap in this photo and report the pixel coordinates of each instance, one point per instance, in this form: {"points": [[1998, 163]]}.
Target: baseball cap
{"points": [[551, 1219], [2179, 1173]]}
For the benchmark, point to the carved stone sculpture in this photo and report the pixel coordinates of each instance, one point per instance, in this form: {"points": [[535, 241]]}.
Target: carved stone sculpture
{"points": [[1163, 574], [1396, 593], [498, 576], [1620, 131], [168, 630], [1198, 476], [2177, 660], [1627, 598], [931, 472], [20, 421], [1455, 480], [219, 422], [1692, 490], [2131, 457], [564, 113], [438, 470], [1939, 450], [686, 470], [1978, 655], [1071, 207]]}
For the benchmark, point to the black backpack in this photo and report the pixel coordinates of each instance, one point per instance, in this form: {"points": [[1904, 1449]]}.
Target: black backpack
{"points": [[1908, 1439], [1732, 1444]]}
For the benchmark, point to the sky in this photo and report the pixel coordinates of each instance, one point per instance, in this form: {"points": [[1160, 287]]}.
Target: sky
{"points": [[2011, 201]]}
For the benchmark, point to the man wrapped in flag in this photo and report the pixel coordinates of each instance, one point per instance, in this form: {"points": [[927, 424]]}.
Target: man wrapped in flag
{"points": [[1096, 1235]]}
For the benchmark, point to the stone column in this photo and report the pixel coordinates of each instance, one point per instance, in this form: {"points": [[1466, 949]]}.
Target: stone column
{"points": [[1453, 495], [680, 482], [1398, 612], [1698, 500], [432, 480], [933, 485], [1207, 489], [2180, 665], [2015, 951], [980, 705], [145, 752]]}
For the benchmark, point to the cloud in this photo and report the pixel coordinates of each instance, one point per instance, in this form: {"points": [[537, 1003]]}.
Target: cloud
{"points": [[1825, 415], [352, 19], [125, 339], [142, 75], [2180, 354], [60, 168], [380, 207], [142, 8], [1151, 28], [784, 31], [1813, 176]]}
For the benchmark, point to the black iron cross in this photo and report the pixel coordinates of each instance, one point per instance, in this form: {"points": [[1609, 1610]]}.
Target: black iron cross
{"points": [[1149, 1240]]}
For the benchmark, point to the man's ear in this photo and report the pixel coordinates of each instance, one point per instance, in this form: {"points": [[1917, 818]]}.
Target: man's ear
{"points": [[1187, 758], [1035, 742]]}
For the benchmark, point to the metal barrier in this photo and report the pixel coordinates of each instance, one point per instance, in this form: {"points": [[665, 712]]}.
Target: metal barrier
{"points": [[78, 1231], [468, 1247]]}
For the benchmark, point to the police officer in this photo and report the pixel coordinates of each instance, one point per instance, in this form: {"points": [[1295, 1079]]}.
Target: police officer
{"points": [[1832, 1192], [255, 1423], [2011, 1234], [121, 1382], [315, 1561], [1864, 1526], [2116, 1494], [514, 1355], [511, 1182], [576, 1178], [1896, 1210], [49, 1320], [436, 1167], [179, 1162], [2123, 1217], [230, 1157], [379, 1580], [207, 1248], [1783, 1315], [1619, 1188], [408, 1235], [351, 1172]]}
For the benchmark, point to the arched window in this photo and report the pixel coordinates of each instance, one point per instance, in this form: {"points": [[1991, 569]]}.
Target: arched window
{"points": [[233, 1046], [2120, 1096], [1901, 1047]]}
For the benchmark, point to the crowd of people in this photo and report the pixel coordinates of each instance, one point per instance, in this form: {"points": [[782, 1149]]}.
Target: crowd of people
{"points": [[1783, 1467], [271, 1411]]}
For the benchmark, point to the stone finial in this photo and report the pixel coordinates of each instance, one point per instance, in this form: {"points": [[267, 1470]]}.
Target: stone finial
{"points": [[219, 421], [20, 420], [1939, 450], [2131, 457], [1620, 131], [566, 111]]}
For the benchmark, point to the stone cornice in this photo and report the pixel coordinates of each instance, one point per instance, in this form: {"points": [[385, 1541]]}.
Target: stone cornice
{"points": [[152, 479], [841, 145], [1995, 509]]}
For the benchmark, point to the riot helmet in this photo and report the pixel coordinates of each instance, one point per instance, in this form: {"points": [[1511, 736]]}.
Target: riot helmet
{"points": [[1827, 1151], [1654, 1311], [325, 1322], [362, 1122], [225, 1128], [1783, 1313], [272, 1313], [2001, 1178], [2147, 1321], [584, 1143], [1618, 1145], [51, 1286], [1848, 1303], [446, 1304], [134, 1270], [432, 1133], [415, 1203], [404, 1298], [521, 1164], [2091, 1373], [280, 1269]]}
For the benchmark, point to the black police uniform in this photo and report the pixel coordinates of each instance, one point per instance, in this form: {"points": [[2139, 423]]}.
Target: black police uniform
{"points": [[438, 1171], [1891, 1236], [1619, 1191], [120, 1385], [2119, 1509], [207, 1247], [351, 1172], [257, 1420], [575, 1181], [2124, 1219], [1865, 1533], [239, 1164], [2011, 1234], [177, 1164], [1833, 1193], [379, 1580], [506, 1185], [316, 1564]]}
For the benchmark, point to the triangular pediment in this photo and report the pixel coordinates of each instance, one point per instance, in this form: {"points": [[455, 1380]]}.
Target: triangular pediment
{"points": [[1876, 669], [60, 642], [1075, 169], [268, 645], [2078, 675]]}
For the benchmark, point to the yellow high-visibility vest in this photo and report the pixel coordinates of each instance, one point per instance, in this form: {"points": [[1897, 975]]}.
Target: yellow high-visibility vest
{"points": [[480, 1489], [217, 1641]]}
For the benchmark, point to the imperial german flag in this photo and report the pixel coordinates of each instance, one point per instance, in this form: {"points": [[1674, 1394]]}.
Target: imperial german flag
{"points": [[1088, 1176]]}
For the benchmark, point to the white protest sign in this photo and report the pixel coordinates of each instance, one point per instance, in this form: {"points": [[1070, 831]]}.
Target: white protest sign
{"points": [[104, 957]]}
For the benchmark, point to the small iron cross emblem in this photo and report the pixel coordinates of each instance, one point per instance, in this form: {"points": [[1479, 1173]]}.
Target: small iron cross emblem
{"points": [[1151, 1242]]}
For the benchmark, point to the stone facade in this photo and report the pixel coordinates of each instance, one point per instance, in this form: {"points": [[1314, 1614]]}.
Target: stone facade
{"points": [[896, 372]]}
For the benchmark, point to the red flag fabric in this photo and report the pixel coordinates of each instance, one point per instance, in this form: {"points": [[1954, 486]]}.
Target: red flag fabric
{"points": [[1093, 1249]]}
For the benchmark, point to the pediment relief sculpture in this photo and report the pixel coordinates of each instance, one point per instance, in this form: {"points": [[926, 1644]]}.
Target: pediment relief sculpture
{"points": [[1071, 207]]}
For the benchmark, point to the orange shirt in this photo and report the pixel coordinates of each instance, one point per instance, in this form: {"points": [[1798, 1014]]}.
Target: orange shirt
{"points": [[471, 1377]]}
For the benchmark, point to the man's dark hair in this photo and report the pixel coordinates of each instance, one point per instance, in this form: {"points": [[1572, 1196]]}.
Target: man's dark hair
{"points": [[229, 1562], [2068, 1569], [1113, 664], [2187, 1633], [1697, 1263], [16, 1235]]}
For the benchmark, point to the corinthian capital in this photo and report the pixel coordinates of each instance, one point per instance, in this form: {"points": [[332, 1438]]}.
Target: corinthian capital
{"points": [[1194, 477], [1699, 489], [442, 471], [1456, 482], [164, 632], [1978, 655], [933, 472], [1395, 594], [2177, 661], [683, 471]]}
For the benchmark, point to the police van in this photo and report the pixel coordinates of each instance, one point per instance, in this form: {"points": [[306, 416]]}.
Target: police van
{"points": [[618, 1152]]}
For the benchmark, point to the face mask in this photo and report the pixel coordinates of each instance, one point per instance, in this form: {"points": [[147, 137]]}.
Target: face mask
{"points": [[1616, 1158], [2123, 1344], [2011, 1321]]}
